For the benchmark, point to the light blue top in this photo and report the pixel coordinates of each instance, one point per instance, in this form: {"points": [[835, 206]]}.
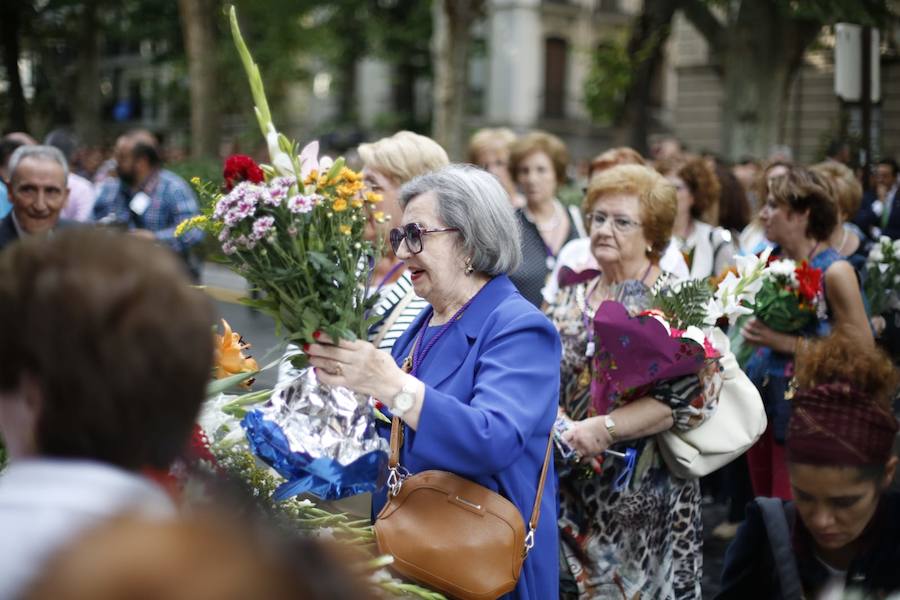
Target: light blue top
{"points": [[5, 204]]}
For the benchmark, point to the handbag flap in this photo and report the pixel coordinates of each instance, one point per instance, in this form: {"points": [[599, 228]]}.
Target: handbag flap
{"points": [[453, 535]]}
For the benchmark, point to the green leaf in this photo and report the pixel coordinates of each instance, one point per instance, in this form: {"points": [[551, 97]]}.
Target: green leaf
{"points": [[219, 386], [336, 168]]}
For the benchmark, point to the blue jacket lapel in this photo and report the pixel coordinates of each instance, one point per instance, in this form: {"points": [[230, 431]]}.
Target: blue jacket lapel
{"points": [[450, 352]]}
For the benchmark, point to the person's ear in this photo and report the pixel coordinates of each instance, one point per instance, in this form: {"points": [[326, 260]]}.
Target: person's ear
{"points": [[890, 469]]}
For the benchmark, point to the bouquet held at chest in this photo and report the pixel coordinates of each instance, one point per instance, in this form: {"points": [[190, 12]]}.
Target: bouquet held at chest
{"points": [[294, 230]]}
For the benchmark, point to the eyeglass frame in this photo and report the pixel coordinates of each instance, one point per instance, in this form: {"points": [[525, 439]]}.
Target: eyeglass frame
{"points": [[419, 231], [630, 226]]}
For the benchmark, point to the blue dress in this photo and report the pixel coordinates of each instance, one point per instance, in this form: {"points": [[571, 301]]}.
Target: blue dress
{"points": [[772, 371], [491, 395]]}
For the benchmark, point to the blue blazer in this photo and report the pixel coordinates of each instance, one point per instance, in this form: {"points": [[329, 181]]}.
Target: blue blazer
{"points": [[491, 397]]}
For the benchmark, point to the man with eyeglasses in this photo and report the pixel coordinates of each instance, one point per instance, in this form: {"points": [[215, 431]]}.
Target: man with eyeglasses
{"points": [[37, 191]]}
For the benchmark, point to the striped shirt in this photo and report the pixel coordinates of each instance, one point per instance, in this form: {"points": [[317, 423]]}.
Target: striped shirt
{"points": [[392, 297]]}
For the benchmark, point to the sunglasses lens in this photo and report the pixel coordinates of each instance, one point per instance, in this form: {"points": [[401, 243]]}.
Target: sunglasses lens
{"points": [[396, 236], [414, 238]]}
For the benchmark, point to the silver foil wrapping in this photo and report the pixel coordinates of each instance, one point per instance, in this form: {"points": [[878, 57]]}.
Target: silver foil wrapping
{"points": [[323, 421]]}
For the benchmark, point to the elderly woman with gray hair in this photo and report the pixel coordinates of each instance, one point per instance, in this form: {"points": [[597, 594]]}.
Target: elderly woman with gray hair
{"points": [[479, 386]]}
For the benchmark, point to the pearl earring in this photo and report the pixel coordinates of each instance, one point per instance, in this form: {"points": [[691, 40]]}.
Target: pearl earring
{"points": [[469, 268]]}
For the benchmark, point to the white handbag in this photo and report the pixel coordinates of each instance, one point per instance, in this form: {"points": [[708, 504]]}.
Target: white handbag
{"points": [[738, 421]]}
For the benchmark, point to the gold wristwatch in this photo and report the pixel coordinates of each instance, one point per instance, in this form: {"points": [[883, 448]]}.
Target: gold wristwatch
{"points": [[610, 427]]}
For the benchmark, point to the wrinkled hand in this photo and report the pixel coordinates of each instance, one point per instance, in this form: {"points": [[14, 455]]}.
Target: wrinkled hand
{"points": [[357, 365], [759, 334], [589, 437]]}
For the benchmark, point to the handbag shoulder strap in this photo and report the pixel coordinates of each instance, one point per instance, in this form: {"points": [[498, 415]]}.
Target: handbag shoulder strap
{"points": [[779, 534], [394, 461]]}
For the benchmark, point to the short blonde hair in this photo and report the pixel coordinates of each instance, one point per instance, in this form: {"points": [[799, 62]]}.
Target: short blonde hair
{"points": [[488, 139], [540, 141], [656, 200], [403, 156], [845, 188]]}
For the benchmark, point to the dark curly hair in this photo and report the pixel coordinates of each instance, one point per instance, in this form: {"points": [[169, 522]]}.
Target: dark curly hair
{"points": [[841, 357]]}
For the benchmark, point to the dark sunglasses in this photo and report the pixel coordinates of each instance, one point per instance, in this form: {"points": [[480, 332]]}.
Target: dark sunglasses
{"points": [[412, 233]]}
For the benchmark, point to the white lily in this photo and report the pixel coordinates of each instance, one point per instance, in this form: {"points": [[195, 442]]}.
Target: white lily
{"points": [[281, 160]]}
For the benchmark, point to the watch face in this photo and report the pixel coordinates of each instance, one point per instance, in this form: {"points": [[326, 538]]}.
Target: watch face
{"points": [[403, 401]]}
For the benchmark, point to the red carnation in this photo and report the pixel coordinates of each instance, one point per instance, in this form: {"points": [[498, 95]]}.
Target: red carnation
{"points": [[240, 167], [809, 279]]}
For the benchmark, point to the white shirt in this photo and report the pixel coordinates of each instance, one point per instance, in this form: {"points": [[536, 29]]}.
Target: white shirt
{"points": [[45, 503], [577, 256]]}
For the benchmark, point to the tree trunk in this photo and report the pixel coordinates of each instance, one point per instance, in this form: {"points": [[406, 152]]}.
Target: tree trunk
{"points": [[761, 50], [451, 41], [648, 38], [10, 28], [87, 101], [198, 29]]}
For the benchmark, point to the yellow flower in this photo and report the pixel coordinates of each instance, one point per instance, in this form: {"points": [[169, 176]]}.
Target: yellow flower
{"points": [[348, 174], [373, 198], [313, 177], [230, 359], [195, 180], [346, 190], [346, 229], [379, 216], [190, 224], [356, 203], [339, 205]]}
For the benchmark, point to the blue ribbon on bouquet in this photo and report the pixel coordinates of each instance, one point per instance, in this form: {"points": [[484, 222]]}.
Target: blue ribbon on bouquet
{"points": [[324, 477]]}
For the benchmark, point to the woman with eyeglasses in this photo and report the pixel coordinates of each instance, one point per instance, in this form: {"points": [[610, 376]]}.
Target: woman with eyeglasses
{"points": [[475, 379], [644, 539]]}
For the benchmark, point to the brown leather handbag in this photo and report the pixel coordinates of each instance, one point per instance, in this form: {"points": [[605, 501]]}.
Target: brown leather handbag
{"points": [[453, 535]]}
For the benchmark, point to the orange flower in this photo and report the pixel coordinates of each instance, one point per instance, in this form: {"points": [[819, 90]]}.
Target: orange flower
{"points": [[230, 359], [339, 205]]}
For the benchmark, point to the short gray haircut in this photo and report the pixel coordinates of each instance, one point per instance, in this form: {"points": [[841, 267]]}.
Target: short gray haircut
{"points": [[473, 201], [48, 153]]}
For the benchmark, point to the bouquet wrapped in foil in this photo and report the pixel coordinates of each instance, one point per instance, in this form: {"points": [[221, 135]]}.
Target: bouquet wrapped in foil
{"points": [[295, 230], [320, 438]]}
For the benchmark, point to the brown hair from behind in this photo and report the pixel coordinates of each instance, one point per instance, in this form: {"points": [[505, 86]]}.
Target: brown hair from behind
{"points": [[117, 340], [200, 557], [802, 190], [540, 141], [655, 195], [843, 184], [734, 209]]}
